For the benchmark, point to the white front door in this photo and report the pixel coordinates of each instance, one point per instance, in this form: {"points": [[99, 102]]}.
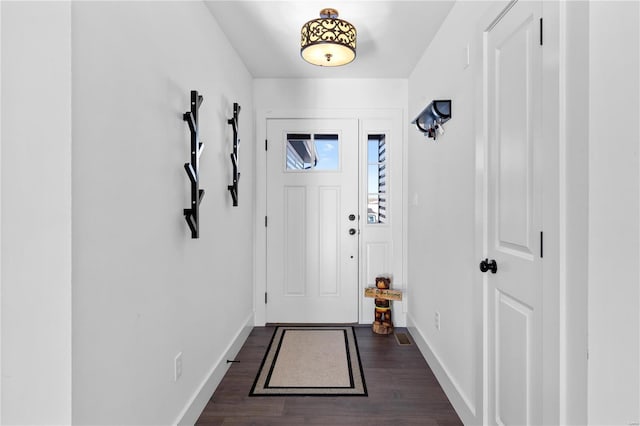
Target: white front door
{"points": [[514, 292], [312, 221]]}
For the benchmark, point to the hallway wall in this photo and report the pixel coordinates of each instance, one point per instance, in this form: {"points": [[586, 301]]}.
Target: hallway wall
{"points": [[36, 213], [143, 290], [330, 93], [600, 215], [614, 213], [442, 272]]}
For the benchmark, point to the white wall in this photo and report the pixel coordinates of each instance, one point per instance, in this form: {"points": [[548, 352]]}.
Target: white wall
{"points": [[143, 290], [614, 213], [327, 93], [36, 213], [442, 273]]}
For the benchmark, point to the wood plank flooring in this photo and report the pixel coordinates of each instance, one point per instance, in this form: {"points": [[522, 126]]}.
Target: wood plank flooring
{"points": [[402, 390]]}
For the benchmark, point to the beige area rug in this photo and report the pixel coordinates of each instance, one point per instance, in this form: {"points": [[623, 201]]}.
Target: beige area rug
{"points": [[305, 361]]}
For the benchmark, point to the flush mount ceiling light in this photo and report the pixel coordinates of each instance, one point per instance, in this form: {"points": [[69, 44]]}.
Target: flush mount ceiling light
{"points": [[328, 41]]}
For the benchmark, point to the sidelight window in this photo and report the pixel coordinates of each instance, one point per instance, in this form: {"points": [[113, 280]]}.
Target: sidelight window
{"points": [[377, 172]]}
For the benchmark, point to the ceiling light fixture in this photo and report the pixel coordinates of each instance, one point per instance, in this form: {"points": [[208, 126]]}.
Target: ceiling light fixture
{"points": [[328, 41]]}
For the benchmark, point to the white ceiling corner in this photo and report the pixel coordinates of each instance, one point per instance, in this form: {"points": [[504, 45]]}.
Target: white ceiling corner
{"points": [[392, 35]]}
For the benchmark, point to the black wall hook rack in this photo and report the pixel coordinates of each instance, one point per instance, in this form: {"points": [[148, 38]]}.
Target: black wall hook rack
{"points": [[192, 214], [233, 189], [431, 119]]}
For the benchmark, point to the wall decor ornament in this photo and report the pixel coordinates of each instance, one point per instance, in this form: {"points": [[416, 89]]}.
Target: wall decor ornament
{"points": [[233, 188], [192, 214], [383, 295], [430, 121]]}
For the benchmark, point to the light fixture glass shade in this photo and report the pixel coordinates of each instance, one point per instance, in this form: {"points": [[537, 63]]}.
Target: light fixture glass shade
{"points": [[328, 41]]}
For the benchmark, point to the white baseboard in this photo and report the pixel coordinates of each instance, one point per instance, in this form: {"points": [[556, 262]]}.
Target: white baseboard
{"points": [[463, 405], [192, 411]]}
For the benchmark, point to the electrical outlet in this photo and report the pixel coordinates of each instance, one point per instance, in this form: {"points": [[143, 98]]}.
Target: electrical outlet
{"points": [[437, 320], [177, 367]]}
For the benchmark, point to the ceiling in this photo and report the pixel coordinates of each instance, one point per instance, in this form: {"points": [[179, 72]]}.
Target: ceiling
{"points": [[392, 35]]}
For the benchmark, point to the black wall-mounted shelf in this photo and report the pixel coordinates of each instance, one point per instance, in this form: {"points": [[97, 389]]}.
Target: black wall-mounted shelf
{"points": [[192, 214], [233, 189], [431, 119]]}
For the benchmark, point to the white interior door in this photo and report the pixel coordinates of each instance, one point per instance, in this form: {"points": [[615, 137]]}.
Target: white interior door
{"points": [[312, 221], [514, 297]]}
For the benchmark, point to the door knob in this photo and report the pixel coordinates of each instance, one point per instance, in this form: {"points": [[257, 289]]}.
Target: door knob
{"points": [[352, 231], [352, 217], [489, 265]]}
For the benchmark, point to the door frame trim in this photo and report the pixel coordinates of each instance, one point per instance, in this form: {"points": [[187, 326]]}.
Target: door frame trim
{"points": [[260, 235]]}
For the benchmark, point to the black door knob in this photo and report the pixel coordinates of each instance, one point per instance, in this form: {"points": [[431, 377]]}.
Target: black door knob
{"points": [[489, 265], [352, 217], [352, 231]]}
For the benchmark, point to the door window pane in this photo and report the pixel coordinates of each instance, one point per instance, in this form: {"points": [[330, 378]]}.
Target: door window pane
{"points": [[312, 152]]}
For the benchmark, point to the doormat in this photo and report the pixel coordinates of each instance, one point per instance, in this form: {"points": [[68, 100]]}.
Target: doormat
{"points": [[311, 361]]}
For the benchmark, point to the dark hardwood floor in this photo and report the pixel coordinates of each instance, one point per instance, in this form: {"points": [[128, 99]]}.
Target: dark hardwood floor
{"points": [[402, 390]]}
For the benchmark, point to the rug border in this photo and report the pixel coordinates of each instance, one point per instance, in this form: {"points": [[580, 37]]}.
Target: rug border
{"points": [[313, 327]]}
